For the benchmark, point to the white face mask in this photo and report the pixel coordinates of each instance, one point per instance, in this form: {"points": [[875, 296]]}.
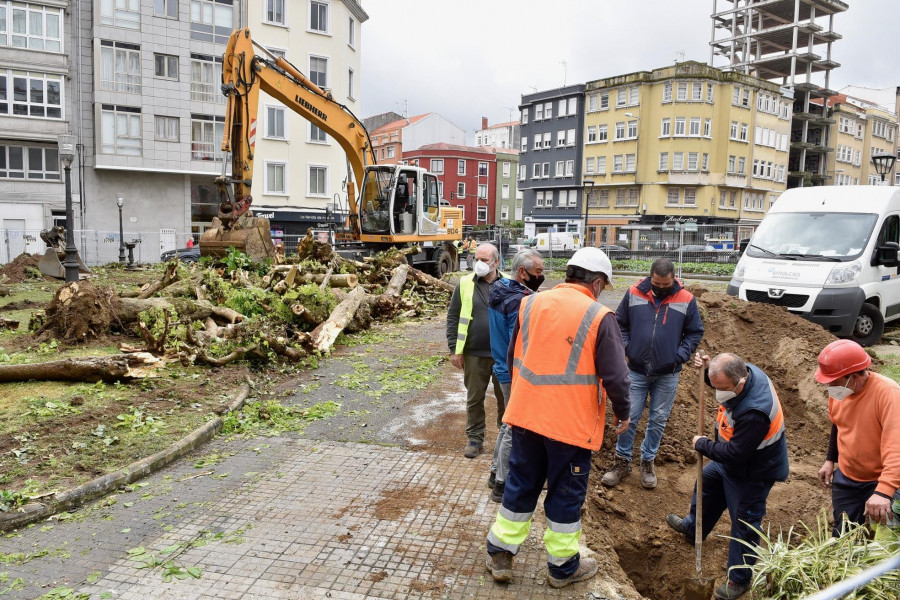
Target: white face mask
{"points": [[723, 396], [482, 268], [839, 392]]}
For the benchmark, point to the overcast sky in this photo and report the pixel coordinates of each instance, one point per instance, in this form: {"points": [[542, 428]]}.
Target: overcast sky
{"points": [[471, 58]]}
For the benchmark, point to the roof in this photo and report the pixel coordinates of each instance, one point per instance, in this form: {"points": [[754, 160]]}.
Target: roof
{"points": [[456, 147], [401, 123], [843, 199], [499, 125]]}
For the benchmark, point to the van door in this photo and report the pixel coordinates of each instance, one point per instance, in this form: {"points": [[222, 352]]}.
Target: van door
{"points": [[889, 276], [430, 210]]}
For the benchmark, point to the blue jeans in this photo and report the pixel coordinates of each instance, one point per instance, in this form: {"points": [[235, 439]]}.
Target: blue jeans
{"points": [[746, 504], [661, 389]]}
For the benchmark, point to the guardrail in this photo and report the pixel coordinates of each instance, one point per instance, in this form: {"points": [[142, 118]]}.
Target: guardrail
{"points": [[841, 589]]}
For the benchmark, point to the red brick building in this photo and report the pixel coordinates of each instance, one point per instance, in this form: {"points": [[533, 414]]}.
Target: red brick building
{"points": [[467, 178]]}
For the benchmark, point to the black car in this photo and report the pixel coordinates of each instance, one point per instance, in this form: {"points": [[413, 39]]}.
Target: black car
{"points": [[186, 255]]}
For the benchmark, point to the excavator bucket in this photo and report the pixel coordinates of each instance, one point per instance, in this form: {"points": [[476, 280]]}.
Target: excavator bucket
{"points": [[250, 235], [50, 264]]}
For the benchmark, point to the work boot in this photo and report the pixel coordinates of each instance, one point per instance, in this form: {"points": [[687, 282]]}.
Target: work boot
{"points": [[492, 479], [472, 450], [731, 590], [587, 568], [677, 523], [497, 494], [620, 470], [500, 566], [648, 477]]}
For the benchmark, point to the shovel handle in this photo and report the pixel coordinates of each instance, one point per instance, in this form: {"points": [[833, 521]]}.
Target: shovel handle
{"points": [[698, 517]]}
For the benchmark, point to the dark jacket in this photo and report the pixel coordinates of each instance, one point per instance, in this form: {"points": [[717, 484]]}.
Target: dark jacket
{"points": [[503, 311], [478, 339], [741, 455], [659, 335]]}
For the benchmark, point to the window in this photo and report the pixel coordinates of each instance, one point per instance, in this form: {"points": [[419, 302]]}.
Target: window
{"points": [[601, 165], [351, 32], [29, 162], [121, 13], [742, 165], [560, 166], [592, 102], [666, 129], [693, 157], [350, 87], [318, 71], [592, 134], [667, 92], [734, 130], [460, 190], [318, 16], [525, 112], [33, 26], [482, 190], [206, 137], [743, 136], [745, 100], [672, 196], [507, 168], [602, 133], [504, 192], [620, 131], [120, 130], [548, 110], [602, 198], [539, 199], [482, 169], [537, 142], [545, 171], [275, 12], [573, 106], [437, 165], [629, 163], [570, 168], [679, 125], [570, 137], [165, 66], [694, 126], [678, 161], [663, 161], [573, 198], [633, 95], [561, 111], [736, 96], [317, 182], [166, 129], [620, 97], [707, 127], [632, 129], [460, 167], [275, 122], [709, 92], [120, 67], [524, 147], [690, 196], [538, 112], [589, 165], [682, 91], [275, 183], [731, 162], [618, 163], [482, 214], [31, 94], [547, 136], [560, 138], [697, 91], [206, 78], [604, 101], [536, 170], [210, 21]]}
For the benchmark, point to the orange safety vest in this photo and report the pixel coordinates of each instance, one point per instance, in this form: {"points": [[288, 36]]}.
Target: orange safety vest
{"points": [[776, 423], [555, 388]]}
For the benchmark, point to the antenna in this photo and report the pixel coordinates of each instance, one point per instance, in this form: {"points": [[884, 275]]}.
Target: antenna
{"points": [[565, 66], [679, 56], [405, 103]]}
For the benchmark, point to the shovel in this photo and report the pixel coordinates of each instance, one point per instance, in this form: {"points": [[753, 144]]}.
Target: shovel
{"points": [[699, 588]]}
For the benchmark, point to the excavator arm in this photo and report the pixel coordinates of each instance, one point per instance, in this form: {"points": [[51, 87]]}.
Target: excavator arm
{"points": [[244, 75]]}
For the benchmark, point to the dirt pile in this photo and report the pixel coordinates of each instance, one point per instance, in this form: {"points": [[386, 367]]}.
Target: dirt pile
{"points": [[628, 522], [16, 271], [79, 311]]}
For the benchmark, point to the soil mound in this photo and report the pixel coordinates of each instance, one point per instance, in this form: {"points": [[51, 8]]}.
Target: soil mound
{"points": [[16, 270], [629, 522], [79, 311]]}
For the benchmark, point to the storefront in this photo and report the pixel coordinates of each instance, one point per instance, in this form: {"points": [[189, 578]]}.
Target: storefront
{"points": [[286, 222]]}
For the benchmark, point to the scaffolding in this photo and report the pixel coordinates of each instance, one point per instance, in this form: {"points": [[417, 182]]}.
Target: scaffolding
{"points": [[787, 42]]}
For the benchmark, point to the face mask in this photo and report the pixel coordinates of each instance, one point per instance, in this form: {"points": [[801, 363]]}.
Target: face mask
{"points": [[660, 292], [534, 281], [482, 268], [723, 396], [839, 392]]}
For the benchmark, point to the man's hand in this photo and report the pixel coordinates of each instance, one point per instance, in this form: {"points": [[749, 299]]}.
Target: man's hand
{"points": [[701, 360], [456, 360], [878, 508], [826, 473], [621, 425], [698, 437]]}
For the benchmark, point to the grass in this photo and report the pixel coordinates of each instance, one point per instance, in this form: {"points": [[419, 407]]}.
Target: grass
{"points": [[891, 366]]}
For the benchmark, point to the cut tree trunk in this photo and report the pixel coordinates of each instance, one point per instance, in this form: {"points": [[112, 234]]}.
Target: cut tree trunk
{"points": [[169, 277], [187, 309], [426, 279], [91, 370], [324, 335], [398, 280]]}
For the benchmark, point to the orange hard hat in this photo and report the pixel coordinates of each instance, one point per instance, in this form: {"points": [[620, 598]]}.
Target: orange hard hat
{"points": [[841, 358]]}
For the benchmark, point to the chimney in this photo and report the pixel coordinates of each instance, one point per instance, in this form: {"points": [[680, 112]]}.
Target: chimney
{"points": [[484, 122]]}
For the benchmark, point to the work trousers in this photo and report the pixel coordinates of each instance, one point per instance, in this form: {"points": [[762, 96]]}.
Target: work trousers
{"points": [[535, 458], [848, 498], [500, 465], [477, 373], [746, 504], [661, 391]]}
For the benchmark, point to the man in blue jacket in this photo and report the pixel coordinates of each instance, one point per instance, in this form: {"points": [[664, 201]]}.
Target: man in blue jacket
{"points": [[661, 328], [748, 456], [503, 311]]}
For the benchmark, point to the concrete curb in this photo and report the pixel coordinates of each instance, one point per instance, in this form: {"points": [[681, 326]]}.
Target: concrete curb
{"points": [[105, 484]]}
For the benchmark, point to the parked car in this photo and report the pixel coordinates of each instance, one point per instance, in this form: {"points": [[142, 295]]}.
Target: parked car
{"points": [[613, 250], [705, 253], [187, 255]]}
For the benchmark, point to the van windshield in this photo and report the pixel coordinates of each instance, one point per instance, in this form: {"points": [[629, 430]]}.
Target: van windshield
{"points": [[812, 236]]}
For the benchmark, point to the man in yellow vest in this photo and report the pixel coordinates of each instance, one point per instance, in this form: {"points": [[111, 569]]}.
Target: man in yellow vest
{"points": [[566, 356], [468, 336]]}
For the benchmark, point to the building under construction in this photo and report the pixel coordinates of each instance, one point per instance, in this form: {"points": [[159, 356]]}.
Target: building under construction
{"points": [[788, 42]]}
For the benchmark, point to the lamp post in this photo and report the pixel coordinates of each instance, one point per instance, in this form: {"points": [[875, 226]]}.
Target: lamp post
{"points": [[588, 184], [883, 162], [120, 202], [67, 155]]}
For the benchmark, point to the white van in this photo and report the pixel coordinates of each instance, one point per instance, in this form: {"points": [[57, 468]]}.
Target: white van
{"points": [[828, 254], [553, 242]]}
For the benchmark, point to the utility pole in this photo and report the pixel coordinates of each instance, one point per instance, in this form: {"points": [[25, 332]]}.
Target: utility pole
{"points": [[565, 66]]}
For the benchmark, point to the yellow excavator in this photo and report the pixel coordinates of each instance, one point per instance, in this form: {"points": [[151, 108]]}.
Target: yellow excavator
{"points": [[388, 205]]}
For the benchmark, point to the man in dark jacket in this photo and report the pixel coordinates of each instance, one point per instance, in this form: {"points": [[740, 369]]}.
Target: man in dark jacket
{"points": [[469, 340], [661, 328], [748, 456]]}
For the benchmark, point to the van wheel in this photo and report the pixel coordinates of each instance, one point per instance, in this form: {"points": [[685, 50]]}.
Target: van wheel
{"points": [[869, 325]]}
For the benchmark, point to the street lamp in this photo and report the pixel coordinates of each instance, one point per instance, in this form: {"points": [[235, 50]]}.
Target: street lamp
{"points": [[67, 155], [883, 162], [120, 202], [589, 185]]}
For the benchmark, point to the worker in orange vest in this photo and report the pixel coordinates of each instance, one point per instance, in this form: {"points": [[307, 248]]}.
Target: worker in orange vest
{"points": [[566, 355]]}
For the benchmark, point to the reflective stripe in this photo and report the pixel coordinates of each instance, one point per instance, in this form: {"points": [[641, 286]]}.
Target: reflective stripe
{"points": [[509, 533], [464, 320], [634, 300], [511, 548], [561, 546], [466, 292], [577, 345], [564, 379], [681, 307], [558, 561], [514, 516], [526, 313], [564, 527]]}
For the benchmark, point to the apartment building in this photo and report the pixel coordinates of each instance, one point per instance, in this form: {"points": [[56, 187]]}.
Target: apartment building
{"points": [[685, 142], [509, 198], [392, 140], [861, 129], [499, 135], [550, 160], [467, 178]]}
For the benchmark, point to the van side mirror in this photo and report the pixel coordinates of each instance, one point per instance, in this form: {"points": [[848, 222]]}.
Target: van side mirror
{"points": [[886, 255]]}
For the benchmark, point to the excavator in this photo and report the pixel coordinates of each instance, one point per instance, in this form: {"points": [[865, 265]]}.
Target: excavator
{"points": [[387, 205]]}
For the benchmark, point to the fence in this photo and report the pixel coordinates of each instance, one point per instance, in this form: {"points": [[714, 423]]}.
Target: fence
{"points": [[845, 587], [94, 247]]}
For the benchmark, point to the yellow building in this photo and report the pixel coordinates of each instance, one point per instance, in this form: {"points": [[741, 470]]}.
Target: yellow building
{"points": [[685, 142], [860, 129]]}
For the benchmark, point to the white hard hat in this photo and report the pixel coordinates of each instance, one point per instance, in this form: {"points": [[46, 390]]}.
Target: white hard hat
{"points": [[593, 260]]}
